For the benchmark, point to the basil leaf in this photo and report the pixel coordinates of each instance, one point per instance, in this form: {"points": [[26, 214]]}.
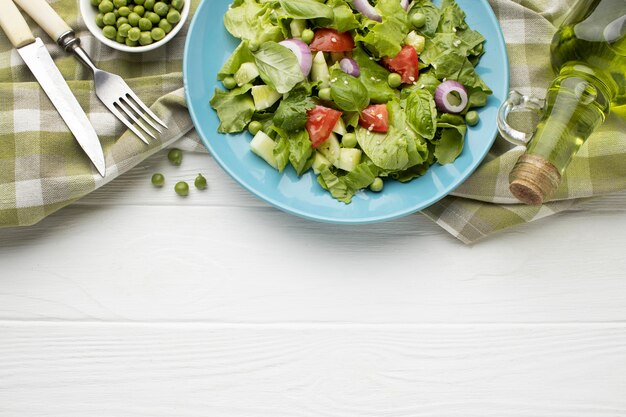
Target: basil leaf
{"points": [[278, 67], [348, 92], [422, 113], [306, 9]]}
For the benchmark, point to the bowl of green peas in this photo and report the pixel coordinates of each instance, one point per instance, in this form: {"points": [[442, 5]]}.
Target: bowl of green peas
{"points": [[134, 25]]}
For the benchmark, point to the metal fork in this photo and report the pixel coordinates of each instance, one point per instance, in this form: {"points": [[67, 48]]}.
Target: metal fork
{"points": [[111, 89], [114, 93]]}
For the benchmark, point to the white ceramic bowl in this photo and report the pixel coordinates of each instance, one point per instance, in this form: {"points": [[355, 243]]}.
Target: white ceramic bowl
{"points": [[89, 13]]}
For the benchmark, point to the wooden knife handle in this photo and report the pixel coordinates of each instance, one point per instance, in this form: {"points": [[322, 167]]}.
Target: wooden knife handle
{"points": [[45, 16], [14, 24]]}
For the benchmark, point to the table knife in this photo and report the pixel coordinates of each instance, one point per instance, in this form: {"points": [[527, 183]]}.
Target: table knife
{"points": [[38, 59]]}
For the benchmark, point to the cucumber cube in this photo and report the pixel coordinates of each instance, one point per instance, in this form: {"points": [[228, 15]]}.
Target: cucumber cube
{"points": [[264, 96], [349, 158], [340, 127], [246, 73], [320, 163], [263, 146], [330, 148]]}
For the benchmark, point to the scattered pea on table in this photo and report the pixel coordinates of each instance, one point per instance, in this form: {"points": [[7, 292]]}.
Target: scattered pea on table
{"points": [[175, 156], [200, 182], [137, 22], [182, 188]]}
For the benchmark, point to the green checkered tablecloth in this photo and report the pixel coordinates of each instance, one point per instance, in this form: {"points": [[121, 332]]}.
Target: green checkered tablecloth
{"points": [[42, 169]]}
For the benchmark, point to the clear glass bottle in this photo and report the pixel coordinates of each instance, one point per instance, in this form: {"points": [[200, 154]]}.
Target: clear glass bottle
{"points": [[589, 56]]}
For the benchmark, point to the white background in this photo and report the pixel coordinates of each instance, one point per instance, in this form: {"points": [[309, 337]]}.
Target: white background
{"points": [[135, 302]]}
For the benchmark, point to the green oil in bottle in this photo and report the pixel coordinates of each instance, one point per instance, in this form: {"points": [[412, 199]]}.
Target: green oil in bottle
{"points": [[589, 56]]}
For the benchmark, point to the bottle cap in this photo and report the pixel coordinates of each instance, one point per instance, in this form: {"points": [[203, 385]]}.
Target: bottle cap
{"points": [[534, 179]]}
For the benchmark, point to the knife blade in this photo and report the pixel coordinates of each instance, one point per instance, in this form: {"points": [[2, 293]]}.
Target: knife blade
{"points": [[38, 59]]}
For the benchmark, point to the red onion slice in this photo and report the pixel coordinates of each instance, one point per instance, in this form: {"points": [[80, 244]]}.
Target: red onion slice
{"points": [[350, 67], [442, 97], [302, 52], [366, 9]]}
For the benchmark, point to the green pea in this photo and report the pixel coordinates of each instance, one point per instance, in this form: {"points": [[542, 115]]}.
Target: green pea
{"points": [[377, 185], [145, 38], [349, 140], [119, 38], [106, 6], [158, 180], [394, 80], [200, 182], [161, 9], [175, 156], [119, 3], [472, 118], [149, 4], [153, 18], [109, 19], [182, 188], [307, 36], [157, 34], [139, 2], [229, 82], [173, 16], [95, 3], [255, 127], [109, 32], [418, 20], [131, 43], [140, 10], [133, 19], [124, 11], [178, 4], [134, 34], [124, 29], [165, 25], [100, 20], [121, 21], [145, 24], [324, 94]]}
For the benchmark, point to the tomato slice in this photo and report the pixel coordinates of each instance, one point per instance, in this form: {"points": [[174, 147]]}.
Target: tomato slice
{"points": [[375, 118], [320, 124], [406, 63], [329, 40]]}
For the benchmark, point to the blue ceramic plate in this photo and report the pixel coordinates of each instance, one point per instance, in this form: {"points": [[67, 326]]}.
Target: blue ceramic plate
{"points": [[209, 45]]}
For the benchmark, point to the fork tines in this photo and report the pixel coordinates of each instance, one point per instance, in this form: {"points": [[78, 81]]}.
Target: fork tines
{"points": [[128, 107]]}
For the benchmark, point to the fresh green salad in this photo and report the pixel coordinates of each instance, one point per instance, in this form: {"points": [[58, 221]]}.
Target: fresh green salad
{"points": [[360, 92]]}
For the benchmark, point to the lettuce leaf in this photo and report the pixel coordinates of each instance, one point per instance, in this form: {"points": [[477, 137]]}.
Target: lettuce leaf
{"points": [[398, 149], [251, 21], [386, 38], [240, 55], [234, 108], [291, 113]]}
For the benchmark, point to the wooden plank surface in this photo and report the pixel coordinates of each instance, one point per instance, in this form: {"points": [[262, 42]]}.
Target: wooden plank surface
{"points": [[314, 370], [135, 302]]}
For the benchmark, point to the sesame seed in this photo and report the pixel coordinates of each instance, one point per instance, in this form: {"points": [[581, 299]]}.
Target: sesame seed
{"points": [[372, 78], [412, 79], [445, 79], [380, 116], [370, 128], [334, 40], [371, 58], [454, 30], [422, 86], [345, 82]]}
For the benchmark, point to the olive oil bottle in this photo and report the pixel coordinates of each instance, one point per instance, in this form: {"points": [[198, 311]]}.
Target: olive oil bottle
{"points": [[589, 56]]}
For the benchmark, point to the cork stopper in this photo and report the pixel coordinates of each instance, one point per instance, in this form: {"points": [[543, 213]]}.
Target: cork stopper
{"points": [[534, 179]]}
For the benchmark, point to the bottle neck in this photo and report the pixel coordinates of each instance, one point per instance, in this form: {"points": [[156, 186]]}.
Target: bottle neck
{"points": [[576, 104]]}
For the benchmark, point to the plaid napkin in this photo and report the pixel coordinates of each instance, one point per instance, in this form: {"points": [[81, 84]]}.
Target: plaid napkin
{"points": [[42, 170]]}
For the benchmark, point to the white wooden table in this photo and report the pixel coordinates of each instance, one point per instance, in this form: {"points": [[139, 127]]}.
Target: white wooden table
{"points": [[134, 302]]}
